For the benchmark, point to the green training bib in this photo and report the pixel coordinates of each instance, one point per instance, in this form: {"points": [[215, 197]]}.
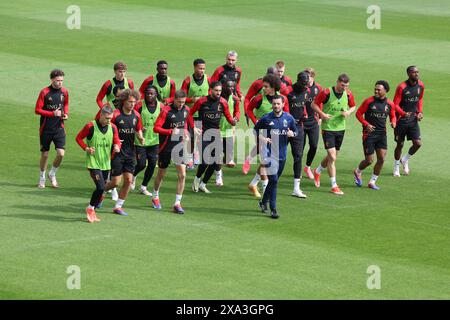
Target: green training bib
{"points": [[334, 107], [148, 121], [164, 92], [102, 142], [226, 129], [111, 97]]}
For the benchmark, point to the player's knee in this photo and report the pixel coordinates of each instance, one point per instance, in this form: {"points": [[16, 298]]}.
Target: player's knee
{"points": [[60, 152], [332, 157], [417, 143], [128, 180], [161, 172], [44, 154], [181, 175], [369, 160], [141, 165], [114, 183], [152, 164]]}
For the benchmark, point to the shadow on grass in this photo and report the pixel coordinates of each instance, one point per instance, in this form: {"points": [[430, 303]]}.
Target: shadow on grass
{"points": [[72, 166], [68, 213], [229, 211], [32, 189]]}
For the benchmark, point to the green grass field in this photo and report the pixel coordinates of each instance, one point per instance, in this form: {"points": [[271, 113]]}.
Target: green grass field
{"points": [[223, 247]]}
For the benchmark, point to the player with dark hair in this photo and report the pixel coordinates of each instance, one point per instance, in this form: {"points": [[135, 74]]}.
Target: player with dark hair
{"points": [[147, 153], [256, 88], [333, 105], [227, 131], [298, 95], [172, 127], [409, 101], [101, 140], [229, 71], [195, 86], [211, 109], [111, 88], [311, 125], [165, 86], [259, 107], [129, 124], [53, 107], [373, 114], [277, 127]]}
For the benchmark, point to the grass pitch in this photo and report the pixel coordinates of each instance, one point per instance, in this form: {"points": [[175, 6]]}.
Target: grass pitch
{"points": [[223, 247]]}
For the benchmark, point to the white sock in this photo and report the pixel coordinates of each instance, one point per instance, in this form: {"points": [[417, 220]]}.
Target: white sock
{"points": [[155, 194], [319, 169], [178, 199], [42, 174], [119, 203], [202, 185], [219, 173], [255, 180], [264, 184], [358, 171], [296, 184], [333, 182], [53, 171], [91, 207], [373, 179], [396, 162], [143, 188], [406, 157]]}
